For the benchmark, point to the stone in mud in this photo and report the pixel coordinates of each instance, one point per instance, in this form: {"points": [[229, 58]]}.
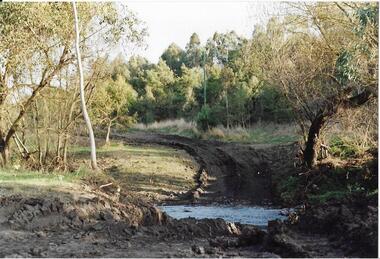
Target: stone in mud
{"points": [[97, 227], [198, 249], [106, 215], [196, 195]]}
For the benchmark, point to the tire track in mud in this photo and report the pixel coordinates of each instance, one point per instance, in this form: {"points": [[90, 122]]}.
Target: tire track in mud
{"points": [[229, 172]]}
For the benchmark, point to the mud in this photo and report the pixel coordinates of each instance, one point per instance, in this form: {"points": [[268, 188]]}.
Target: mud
{"points": [[93, 223], [89, 225], [229, 172]]}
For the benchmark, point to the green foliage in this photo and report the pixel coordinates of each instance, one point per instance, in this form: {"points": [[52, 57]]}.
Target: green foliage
{"points": [[174, 57], [345, 71], [340, 147], [366, 15], [288, 189], [322, 198], [203, 118], [271, 105]]}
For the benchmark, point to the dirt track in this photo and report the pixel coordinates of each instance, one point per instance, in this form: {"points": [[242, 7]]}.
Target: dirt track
{"points": [[229, 172], [89, 223]]}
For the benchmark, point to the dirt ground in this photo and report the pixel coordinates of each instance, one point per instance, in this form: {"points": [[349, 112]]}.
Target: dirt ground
{"points": [[68, 223], [84, 221], [228, 172]]}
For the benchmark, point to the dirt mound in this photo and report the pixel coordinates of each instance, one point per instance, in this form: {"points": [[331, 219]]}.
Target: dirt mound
{"points": [[351, 223], [345, 228], [92, 224], [33, 213]]}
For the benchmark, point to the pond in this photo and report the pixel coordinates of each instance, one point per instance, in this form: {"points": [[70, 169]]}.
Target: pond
{"points": [[258, 216]]}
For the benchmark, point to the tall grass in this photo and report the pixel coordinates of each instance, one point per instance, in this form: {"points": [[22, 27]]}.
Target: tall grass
{"points": [[177, 126], [257, 133], [270, 133]]}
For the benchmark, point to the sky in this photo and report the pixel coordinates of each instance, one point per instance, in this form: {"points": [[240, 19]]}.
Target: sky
{"points": [[174, 21]]}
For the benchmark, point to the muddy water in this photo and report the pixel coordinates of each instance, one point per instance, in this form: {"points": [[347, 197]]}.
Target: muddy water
{"points": [[258, 216]]}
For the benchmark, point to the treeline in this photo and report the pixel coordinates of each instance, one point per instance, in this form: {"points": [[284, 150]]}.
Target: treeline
{"points": [[316, 65], [313, 65], [207, 83]]}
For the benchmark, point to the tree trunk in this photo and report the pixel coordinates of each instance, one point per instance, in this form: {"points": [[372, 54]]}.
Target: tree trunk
{"points": [[82, 97], [4, 152], [108, 132], [310, 153], [227, 110]]}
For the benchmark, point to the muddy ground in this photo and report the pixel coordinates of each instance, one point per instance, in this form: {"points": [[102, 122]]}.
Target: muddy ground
{"points": [[228, 172], [91, 223]]}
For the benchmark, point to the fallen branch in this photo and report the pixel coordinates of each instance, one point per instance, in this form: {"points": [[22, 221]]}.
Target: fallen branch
{"points": [[105, 185]]}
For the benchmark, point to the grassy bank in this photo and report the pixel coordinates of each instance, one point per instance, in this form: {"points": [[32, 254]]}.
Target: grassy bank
{"points": [[149, 171]]}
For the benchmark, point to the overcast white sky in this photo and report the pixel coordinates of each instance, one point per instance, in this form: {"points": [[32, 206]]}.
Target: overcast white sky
{"points": [[174, 21]]}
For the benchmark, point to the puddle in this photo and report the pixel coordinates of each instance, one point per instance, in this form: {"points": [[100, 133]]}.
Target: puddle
{"points": [[258, 216]]}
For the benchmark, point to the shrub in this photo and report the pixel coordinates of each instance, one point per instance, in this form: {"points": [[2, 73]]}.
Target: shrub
{"points": [[205, 118], [344, 148]]}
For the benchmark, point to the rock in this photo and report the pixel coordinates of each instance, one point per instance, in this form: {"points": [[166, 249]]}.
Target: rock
{"points": [[97, 227], [233, 229], [41, 234], [107, 215], [196, 195], [198, 249], [36, 251], [211, 250]]}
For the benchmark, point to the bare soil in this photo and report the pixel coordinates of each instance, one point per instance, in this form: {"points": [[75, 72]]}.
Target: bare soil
{"points": [[228, 172], [88, 222]]}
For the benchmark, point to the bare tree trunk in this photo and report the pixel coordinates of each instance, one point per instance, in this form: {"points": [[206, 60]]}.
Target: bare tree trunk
{"points": [[108, 132], [82, 97], [3, 150], [227, 110], [65, 146], [310, 153]]}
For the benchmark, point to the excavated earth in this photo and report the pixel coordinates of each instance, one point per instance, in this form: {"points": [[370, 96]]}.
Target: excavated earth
{"points": [[228, 172], [93, 223]]}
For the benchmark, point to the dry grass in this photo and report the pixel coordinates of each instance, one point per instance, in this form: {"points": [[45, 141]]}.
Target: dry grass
{"points": [[150, 170], [259, 133], [181, 124], [179, 127]]}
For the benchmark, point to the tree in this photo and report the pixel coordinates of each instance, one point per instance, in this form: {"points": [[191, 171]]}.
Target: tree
{"points": [[174, 57], [36, 53], [111, 103], [194, 52], [81, 91], [320, 73]]}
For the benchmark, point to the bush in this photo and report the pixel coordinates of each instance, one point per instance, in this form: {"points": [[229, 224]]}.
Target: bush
{"points": [[343, 148], [205, 118]]}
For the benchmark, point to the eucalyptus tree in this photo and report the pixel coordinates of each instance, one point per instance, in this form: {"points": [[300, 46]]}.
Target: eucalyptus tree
{"points": [[194, 52], [174, 57], [37, 45]]}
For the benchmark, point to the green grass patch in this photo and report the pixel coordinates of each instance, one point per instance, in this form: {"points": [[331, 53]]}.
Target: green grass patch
{"points": [[343, 148], [326, 196], [36, 182]]}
